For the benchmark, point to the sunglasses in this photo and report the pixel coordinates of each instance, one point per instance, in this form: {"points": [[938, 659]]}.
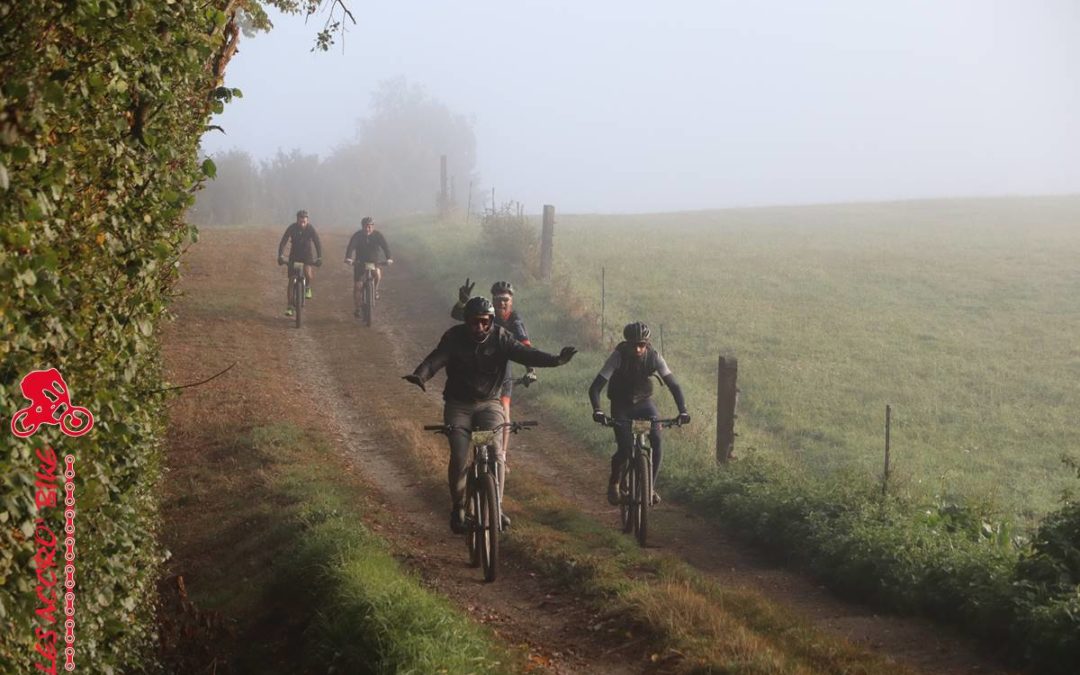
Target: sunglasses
{"points": [[483, 321], [642, 345], [502, 298]]}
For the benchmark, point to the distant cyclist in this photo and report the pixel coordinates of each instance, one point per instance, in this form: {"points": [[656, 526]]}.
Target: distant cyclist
{"points": [[502, 297], [475, 354], [628, 375], [364, 247], [302, 234]]}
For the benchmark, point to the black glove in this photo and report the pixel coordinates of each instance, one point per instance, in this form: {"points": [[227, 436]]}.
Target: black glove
{"points": [[566, 354], [599, 417], [684, 418], [465, 292], [415, 379], [318, 262]]}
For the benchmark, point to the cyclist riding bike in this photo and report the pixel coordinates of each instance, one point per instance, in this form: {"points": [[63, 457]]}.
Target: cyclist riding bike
{"points": [[475, 355], [364, 247], [302, 236], [502, 297], [628, 375]]}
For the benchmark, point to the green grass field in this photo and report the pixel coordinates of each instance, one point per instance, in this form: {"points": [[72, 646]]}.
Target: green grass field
{"points": [[964, 315]]}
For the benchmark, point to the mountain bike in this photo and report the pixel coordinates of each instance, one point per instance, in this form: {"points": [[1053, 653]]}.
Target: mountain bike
{"points": [[483, 508], [297, 288], [635, 477], [367, 292]]}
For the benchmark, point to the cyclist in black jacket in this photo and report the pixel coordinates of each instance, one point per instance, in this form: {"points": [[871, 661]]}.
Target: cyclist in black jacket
{"points": [[502, 297], [364, 246], [475, 354], [303, 235], [628, 375]]}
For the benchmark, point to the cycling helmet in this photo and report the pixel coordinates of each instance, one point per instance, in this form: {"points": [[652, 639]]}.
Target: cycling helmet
{"points": [[302, 213], [478, 306], [502, 287], [636, 332], [366, 220]]}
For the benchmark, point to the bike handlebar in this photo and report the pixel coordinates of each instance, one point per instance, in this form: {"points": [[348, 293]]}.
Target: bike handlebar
{"points": [[514, 427], [665, 424]]}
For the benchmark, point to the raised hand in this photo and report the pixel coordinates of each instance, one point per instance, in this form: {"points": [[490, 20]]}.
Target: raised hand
{"points": [[566, 354], [465, 292]]}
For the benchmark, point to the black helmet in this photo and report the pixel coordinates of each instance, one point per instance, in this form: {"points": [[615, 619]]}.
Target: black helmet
{"points": [[366, 220], [302, 213], [636, 332], [478, 306], [502, 287]]}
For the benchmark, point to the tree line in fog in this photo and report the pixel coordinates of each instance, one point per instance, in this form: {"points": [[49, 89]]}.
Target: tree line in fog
{"points": [[390, 168]]}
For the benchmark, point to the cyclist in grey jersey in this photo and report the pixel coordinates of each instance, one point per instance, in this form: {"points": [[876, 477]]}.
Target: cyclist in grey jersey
{"points": [[628, 375]]}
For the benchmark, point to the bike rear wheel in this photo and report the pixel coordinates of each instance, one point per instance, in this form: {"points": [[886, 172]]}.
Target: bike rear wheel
{"points": [[488, 527], [642, 498]]}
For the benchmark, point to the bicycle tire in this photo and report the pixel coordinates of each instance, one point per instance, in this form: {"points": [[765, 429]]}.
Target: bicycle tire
{"points": [[489, 527], [298, 299], [642, 498], [472, 516], [369, 303], [626, 492]]}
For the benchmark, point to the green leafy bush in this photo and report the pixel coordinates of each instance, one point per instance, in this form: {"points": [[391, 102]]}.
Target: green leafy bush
{"points": [[102, 104]]}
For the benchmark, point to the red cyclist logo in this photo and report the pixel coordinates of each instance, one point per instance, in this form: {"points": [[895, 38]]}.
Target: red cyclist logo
{"points": [[50, 403]]}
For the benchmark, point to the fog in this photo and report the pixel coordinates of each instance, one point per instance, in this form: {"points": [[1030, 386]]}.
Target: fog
{"points": [[633, 106]]}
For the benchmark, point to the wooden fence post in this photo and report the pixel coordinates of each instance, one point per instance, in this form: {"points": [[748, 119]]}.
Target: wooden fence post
{"points": [[727, 396], [888, 433], [444, 197], [547, 242]]}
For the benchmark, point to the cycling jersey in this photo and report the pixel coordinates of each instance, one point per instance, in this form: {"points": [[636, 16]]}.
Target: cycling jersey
{"points": [[366, 247], [302, 239]]}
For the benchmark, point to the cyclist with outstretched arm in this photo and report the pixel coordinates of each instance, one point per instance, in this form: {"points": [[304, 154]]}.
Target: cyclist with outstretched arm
{"points": [[475, 355], [364, 247], [303, 236], [502, 297], [628, 373]]}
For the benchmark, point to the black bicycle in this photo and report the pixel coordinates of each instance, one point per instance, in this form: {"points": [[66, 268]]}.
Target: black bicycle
{"points": [[483, 508], [635, 477], [367, 291], [298, 288]]}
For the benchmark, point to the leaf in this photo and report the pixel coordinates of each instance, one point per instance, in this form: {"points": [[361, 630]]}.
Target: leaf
{"points": [[209, 169], [3, 177]]}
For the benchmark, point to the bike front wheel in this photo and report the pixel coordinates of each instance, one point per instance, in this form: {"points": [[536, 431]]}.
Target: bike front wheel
{"points": [[472, 516], [369, 303], [626, 495], [642, 498], [298, 299], [488, 526]]}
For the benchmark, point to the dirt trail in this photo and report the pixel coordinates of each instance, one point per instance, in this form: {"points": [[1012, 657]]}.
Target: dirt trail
{"points": [[350, 378]]}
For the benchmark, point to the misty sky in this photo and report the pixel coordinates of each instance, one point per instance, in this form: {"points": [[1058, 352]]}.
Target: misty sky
{"points": [[627, 105]]}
